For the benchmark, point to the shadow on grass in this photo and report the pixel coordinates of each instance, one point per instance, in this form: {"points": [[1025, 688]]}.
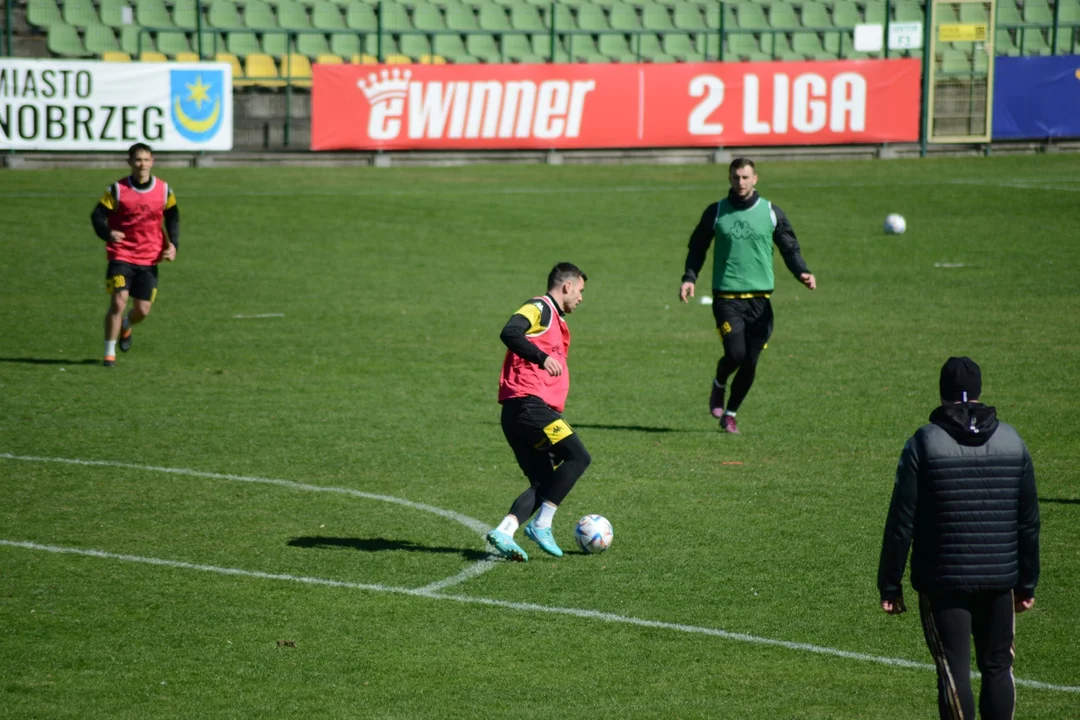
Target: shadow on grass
{"points": [[381, 544], [1061, 501], [49, 361]]}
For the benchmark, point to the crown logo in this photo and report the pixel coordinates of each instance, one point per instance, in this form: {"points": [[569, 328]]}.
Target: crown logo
{"points": [[385, 86]]}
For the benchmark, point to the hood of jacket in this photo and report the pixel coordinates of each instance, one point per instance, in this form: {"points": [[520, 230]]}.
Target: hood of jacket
{"points": [[967, 423]]}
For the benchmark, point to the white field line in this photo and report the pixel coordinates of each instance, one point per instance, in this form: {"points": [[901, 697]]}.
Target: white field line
{"points": [[477, 568], [1020, 183], [258, 316], [520, 607]]}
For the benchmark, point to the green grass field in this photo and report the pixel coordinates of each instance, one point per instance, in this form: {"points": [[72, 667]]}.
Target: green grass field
{"points": [[731, 590]]}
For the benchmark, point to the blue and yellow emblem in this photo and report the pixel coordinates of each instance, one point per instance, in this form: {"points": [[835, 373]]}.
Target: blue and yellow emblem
{"points": [[197, 101]]}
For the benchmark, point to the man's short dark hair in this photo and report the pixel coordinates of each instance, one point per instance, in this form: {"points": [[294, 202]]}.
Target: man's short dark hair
{"points": [[136, 148], [562, 272], [739, 163]]}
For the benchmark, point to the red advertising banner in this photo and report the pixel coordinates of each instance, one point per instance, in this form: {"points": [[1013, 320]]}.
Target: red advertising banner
{"points": [[473, 107]]}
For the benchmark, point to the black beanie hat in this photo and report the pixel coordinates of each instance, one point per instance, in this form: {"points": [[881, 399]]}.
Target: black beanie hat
{"points": [[961, 380]]}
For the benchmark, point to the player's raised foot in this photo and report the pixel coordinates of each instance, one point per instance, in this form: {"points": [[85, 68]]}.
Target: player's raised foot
{"points": [[716, 400], [109, 361], [543, 538], [728, 425], [125, 340], [506, 546]]}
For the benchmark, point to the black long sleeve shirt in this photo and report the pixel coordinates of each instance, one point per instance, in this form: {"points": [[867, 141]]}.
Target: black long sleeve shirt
{"points": [[100, 219]]}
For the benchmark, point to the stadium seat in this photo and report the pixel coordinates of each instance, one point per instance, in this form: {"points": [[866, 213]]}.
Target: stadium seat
{"points": [[394, 17], [483, 47], [414, 46], [682, 47], [591, 17], [64, 40], [845, 14], [152, 13], [115, 57], [808, 45], [327, 16], [329, 59], [1004, 44], [839, 44], [815, 15], [224, 15], [527, 17], [276, 44], [688, 16], [347, 45], [154, 57], [712, 17], [973, 13], [782, 16], [237, 71], [911, 11], [1008, 13], [459, 17], [493, 17], [258, 15], [1035, 12], [516, 48], [396, 59], [874, 12], [1070, 12], [298, 68], [1033, 42], [655, 16], [432, 60], [262, 71], [751, 16], [742, 45], [541, 46], [100, 40], [650, 48], [428, 17], [184, 14], [954, 62], [451, 47], [186, 57], [112, 13], [242, 44], [312, 45], [292, 15], [169, 43], [361, 17], [43, 13], [129, 40], [79, 13], [624, 17]]}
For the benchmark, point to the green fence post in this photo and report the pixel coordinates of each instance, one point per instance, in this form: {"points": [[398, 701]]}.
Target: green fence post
{"points": [[8, 41], [551, 56], [888, 21], [290, 38], [719, 36], [927, 58], [1054, 32], [198, 27], [378, 31]]}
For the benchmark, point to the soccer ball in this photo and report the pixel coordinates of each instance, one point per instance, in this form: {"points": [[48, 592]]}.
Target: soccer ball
{"points": [[895, 224], [593, 534]]}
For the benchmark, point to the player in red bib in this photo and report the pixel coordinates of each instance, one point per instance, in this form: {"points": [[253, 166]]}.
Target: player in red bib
{"points": [[129, 219], [532, 391]]}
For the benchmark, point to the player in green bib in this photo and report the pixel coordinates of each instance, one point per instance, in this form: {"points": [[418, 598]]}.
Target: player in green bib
{"points": [[745, 227]]}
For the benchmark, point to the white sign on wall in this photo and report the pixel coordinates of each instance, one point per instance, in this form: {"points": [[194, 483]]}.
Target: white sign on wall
{"points": [[69, 105], [870, 37]]}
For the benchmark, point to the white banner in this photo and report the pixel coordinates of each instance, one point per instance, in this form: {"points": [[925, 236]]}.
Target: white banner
{"points": [[68, 105]]}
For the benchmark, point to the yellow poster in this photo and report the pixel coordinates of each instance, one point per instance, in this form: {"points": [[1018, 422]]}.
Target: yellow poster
{"points": [[962, 32]]}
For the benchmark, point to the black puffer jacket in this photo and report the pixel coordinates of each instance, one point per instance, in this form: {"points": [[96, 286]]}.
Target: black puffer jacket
{"points": [[965, 494]]}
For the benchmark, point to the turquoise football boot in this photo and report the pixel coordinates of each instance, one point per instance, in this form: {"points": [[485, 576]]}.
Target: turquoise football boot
{"points": [[543, 538], [506, 546]]}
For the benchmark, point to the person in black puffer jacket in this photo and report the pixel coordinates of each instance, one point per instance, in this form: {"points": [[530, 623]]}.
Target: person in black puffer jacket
{"points": [[965, 498]]}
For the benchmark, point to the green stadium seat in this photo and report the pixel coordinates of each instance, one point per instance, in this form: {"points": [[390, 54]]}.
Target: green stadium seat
{"points": [[1004, 44], [1008, 13], [980, 63], [184, 14], [807, 44], [64, 40], [973, 13], [80, 13], [616, 48], [242, 44], [575, 3], [112, 13], [414, 46], [43, 13], [582, 48], [712, 17], [655, 16], [224, 15], [562, 19], [276, 44], [815, 15], [293, 15], [428, 17], [1070, 11], [527, 17], [541, 45], [1033, 42], [169, 43], [742, 45], [782, 15], [751, 16], [483, 47], [360, 17], [493, 17], [650, 48], [100, 39], [327, 16], [312, 45], [461, 18], [845, 14], [451, 47], [1035, 12], [347, 45], [258, 15], [517, 47], [624, 17], [688, 16], [152, 13], [591, 17], [954, 62], [874, 12], [129, 39], [910, 11], [840, 44], [682, 47]]}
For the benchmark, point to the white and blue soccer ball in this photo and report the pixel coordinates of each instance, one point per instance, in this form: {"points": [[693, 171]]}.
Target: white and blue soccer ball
{"points": [[593, 534], [895, 224]]}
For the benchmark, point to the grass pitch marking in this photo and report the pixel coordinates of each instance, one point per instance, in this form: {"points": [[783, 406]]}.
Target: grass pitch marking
{"points": [[431, 593], [477, 568]]}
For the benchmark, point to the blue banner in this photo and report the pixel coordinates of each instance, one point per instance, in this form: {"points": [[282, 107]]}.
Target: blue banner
{"points": [[1036, 97]]}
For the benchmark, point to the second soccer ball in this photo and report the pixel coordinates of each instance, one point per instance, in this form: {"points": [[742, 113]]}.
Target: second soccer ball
{"points": [[895, 224], [593, 534]]}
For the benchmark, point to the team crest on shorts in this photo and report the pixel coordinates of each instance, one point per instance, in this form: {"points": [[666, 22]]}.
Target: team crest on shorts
{"points": [[196, 98]]}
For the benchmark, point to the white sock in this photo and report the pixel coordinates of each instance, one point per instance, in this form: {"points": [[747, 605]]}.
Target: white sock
{"points": [[110, 348], [544, 517], [509, 525], [729, 412]]}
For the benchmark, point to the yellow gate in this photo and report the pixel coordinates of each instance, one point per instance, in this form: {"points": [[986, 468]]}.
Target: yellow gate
{"points": [[961, 71]]}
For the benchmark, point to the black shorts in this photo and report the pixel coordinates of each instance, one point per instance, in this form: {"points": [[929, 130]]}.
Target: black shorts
{"points": [[139, 280], [530, 423], [753, 316]]}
